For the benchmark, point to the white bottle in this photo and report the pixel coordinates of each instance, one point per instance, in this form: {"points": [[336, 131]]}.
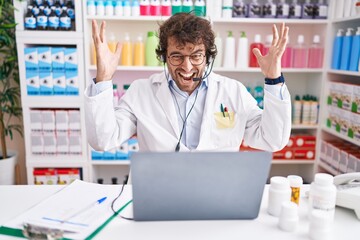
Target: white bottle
{"points": [[91, 8], [347, 8], [109, 8], [242, 58], [100, 8], [297, 110], [322, 194], [279, 192], [320, 225], [314, 111], [219, 47], [229, 54], [135, 8], [187, 6], [339, 6], [216, 11], [306, 106], [126, 8], [227, 8], [289, 217], [119, 11]]}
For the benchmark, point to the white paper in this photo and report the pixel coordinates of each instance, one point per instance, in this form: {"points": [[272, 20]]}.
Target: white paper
{"points": [[72, 199]]}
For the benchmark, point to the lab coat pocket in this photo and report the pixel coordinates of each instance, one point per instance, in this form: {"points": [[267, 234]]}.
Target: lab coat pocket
{"points": [[227, 121]]}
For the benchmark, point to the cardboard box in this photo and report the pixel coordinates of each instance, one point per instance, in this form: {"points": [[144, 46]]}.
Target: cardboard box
{"points": [[32, 82], [57, 59], [122, 152], [31, 59], [353, 164], [35, 121], [304, 153], [62, 143], [48, 120], [44, 59], [44, 176], [304, 141], [74, 120], [355, 102], [286, 153], [61, 120], [345, 98], [49, 143], [37, 143], [71, 59], [67, 175], [75, 143], [59, 83], [355, 126], [46, 83], [72, 83]]}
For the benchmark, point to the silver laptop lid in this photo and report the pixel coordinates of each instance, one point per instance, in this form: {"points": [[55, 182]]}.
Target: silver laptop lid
{"points": [[198, 186]]}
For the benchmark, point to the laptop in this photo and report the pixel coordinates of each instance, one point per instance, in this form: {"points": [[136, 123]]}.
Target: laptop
{"points": [[198, 185]]}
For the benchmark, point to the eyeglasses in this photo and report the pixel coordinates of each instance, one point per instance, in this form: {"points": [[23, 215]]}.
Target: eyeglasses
{"points": [[196, 59]]}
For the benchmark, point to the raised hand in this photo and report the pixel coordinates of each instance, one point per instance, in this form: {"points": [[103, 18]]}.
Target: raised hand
{"points": [[270, 64], [106, 61]]}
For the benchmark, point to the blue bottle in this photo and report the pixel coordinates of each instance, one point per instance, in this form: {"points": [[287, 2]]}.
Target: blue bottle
{"points": [[338, 42], [355, 52], [346, 50]]}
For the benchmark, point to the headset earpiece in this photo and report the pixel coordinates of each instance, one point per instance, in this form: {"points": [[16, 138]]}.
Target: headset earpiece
{"points": [[162, 59], [210, 59]]}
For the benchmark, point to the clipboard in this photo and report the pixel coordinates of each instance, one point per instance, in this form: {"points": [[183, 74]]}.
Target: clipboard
{"points": [[67, 201]]}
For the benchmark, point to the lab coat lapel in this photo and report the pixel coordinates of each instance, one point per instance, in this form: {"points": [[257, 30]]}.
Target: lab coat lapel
{"points": [[164, 98], [208, 112]]}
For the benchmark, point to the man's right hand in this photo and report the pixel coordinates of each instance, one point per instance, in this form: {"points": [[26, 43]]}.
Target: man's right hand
{"points": [[106, 61]]}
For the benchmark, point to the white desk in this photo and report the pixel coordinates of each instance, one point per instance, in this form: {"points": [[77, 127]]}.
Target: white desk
{"points": [[15, 199]]}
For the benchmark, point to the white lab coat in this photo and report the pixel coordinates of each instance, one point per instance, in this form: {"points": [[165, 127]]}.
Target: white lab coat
{"points": [[147, 110]]}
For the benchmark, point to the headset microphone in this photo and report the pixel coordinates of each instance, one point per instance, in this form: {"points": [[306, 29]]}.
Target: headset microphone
{"points": [[206, 74]]}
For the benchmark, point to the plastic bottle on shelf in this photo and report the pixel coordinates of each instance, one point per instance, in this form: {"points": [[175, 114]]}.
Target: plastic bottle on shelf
{"points": [[150, 47], [47, 9], [93, 54], [355, 52], [217, 9], [155, 8], [295, 10], [314, 111], [126, 52], [242, 58], [297, 110], [347, 8], [346, 49], [30, 19], [187, 6], [58, 8], [269, 9], [165, 8], [229, 53], [322, 194], [337, 48], [176, 6], [219, 47], [286, 59], [256, 44], [320, 225], [135, 8], [70, 9], [320, 10], [35, 8], [267, 45], [259, 94], [139, 52], [91, 8], [300, 53], [112, 42], [41, 19], [53, 20], [254, 9], [200, 8], [126, 8], [65, 21], [307, 10], [227, 6], [118, 9], [282, 9], [100, 8], [109, 8], [240, 9], [316, 53], [144, 8], [306, 106]]}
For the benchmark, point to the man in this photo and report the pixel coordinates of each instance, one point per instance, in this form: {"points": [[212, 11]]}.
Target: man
{"points": [[187, 107]]}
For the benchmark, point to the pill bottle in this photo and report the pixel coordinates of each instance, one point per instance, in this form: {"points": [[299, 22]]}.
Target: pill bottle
{"points": [[322, 194], [295, 185], [289, 217], [279, 192]]}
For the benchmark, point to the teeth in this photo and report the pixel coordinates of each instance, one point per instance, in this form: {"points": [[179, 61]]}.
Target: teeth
{"points": [[186, 75]]}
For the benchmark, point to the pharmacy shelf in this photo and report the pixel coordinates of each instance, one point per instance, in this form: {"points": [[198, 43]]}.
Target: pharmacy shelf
{"points": [[110, 162], [55, 36], [346, 73], [297, 161], [52, 101], [347, 19], [56, 163], [336, 134], [304, 127], [327, 168]]}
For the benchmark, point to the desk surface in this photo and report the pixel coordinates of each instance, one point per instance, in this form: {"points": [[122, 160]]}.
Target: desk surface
{"points": [[15, 199]]}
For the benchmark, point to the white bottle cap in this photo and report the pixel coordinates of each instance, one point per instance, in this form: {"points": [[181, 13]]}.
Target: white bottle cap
{"points": [[289, 217], [279, 182], [300, 39], [349, 31], [323, 179], [316, 39], [257, 38], [295, 181], [340, 32]]}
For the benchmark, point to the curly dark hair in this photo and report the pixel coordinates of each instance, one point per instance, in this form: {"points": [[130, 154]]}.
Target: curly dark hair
{"points": [[187, 28]]}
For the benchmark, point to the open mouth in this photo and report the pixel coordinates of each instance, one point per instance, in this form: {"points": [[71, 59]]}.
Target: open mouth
{"points": [[187, 76]]}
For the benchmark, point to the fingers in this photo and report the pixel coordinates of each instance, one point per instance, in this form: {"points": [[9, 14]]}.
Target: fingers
{"points": [[257, 53], [95, 32], [275, 35], [118, 49], [102, 32], [284, 38]]}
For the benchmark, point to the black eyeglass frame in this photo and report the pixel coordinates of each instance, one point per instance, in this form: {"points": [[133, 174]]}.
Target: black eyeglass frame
{"points": [[183, 58]]}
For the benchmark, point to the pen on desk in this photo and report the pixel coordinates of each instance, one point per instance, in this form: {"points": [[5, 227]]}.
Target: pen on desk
{"points": [[101, 200], [222, 109]]}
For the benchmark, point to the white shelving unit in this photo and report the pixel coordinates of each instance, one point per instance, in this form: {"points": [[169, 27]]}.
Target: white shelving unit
{"points": [[299, 81], [24, 39], [331, 75]]}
